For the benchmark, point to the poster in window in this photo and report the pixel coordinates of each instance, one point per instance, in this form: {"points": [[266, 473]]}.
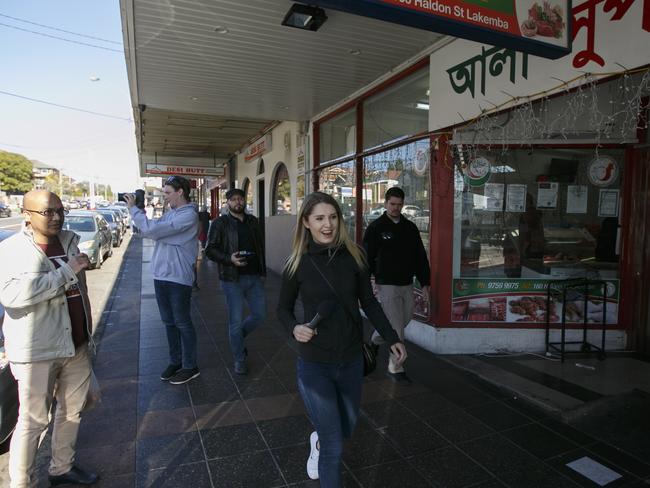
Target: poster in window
{"points": [[608, 203], [516, 199], [547, 194], [494, 197], [576, 199]]}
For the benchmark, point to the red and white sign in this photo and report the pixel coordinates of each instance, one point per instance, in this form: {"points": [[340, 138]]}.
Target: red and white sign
{"points": [[259, 147], [195, 171]]}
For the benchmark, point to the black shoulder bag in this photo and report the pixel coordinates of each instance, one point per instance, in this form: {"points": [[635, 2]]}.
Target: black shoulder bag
{"points": [[368, 350]]}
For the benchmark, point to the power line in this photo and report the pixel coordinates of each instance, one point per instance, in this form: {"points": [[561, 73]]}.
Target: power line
{"points": [[60, 38], [65, 106], [60, 30]]}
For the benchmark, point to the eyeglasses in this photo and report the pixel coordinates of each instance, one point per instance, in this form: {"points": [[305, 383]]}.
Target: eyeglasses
{"points": [[50, 212], [173, 180]]}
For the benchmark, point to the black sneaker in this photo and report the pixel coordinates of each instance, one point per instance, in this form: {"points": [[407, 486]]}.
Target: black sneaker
{"points": [[241, 367], [399, 378], [170, 371], [184, 375]]}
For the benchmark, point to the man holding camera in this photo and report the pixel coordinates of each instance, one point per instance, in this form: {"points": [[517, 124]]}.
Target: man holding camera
{"points": [[235, 241], [172, 263]]}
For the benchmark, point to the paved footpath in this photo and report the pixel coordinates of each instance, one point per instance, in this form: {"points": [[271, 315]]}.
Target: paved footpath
{"points": [[449, 429]]}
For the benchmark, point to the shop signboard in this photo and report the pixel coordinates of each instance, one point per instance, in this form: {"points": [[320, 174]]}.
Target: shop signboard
{"points": [[539, 27], [158, 169], [466, 78], [259, 147], [519, 301]]}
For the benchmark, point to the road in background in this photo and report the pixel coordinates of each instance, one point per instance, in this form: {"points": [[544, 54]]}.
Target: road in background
{"points": [[100, 283], [10, 223]]}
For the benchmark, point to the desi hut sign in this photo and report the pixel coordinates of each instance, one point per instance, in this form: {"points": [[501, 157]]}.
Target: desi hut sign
{"points": [[466, 77], [537, 27]]}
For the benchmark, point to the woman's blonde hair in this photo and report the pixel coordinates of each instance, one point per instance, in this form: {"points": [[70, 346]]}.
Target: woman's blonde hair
{"points": [[301, 233]]}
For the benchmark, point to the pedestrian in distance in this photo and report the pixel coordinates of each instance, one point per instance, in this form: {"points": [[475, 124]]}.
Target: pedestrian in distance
{"points": [[236, 243], [327, 267], [204, 219], [396, 254], [173, 260], [47, 327]]}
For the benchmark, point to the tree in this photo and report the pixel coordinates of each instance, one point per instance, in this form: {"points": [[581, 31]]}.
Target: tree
{"points": [[15, 173]]}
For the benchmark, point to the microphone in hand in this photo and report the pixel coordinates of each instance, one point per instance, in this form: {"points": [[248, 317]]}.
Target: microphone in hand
{"points": [[324, 310]]}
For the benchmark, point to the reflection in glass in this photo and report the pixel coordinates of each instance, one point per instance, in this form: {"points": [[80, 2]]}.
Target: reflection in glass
{"points": [[338, 136], [398, 111], [300, 190], [535, 215], [248, 191], [339, 181], [281, 192], [407, 167]]}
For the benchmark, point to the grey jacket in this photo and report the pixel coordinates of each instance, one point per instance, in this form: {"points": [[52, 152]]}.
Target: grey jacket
{"points": [[37, 323], [177, 248]]}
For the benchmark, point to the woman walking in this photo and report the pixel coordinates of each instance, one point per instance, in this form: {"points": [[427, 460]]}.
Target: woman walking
{"points": [[327, 267]]}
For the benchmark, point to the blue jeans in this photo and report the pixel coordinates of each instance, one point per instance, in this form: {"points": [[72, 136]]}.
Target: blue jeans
{"points": [[332, 396], [251, 289], [174, 301]]}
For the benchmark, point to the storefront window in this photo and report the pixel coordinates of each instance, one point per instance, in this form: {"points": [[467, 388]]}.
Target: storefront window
{"points": [[338, 136], [401, 110], [408, 168], [526, 216], [339, 181], [281, 191], [248, 191]]}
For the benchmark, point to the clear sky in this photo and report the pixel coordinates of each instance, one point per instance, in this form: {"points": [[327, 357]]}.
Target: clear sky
{"points": [[48, 69]]}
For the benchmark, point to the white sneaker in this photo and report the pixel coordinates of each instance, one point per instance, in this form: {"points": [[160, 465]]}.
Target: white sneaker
{"points": [[312, 462]]}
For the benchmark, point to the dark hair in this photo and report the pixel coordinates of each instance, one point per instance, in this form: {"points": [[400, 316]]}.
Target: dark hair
{"points": [[179, 183], [235, 191], [395, 191]]}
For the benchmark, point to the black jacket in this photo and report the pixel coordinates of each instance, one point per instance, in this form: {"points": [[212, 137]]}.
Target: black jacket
{"points": [[339, 336], [395, 252], [223, 242]]}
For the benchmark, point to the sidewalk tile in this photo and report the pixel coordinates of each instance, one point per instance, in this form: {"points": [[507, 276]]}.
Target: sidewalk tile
{"points": [[498, 416], [539, 441], [273, 407], [220, 414], [251, 470], [392, 475], [286, 431], [156, 423], [188, 475], [414, 438], [450, 468], [169, 450], [368, 448], [232, 439]]}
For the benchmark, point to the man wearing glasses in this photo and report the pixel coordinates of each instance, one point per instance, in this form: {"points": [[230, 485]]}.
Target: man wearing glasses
{"points": [[47, 329], [235, 241], [172, 263]]}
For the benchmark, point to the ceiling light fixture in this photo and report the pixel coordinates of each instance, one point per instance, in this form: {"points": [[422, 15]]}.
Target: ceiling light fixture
{"points": [[304, 17], [221, 29], [422, 106], [194, 99], [354, 52]]}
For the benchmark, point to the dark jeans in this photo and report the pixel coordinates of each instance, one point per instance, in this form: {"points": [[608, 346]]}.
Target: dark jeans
{"points": [[251, 289], [332, 396], [174, 301]]}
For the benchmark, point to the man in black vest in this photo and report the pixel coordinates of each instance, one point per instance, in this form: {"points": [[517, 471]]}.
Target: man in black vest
{"points": [[235, 241], [395, 255]]}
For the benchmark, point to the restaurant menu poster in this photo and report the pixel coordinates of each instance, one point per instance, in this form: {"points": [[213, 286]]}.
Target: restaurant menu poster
{"points": [[608, 203], [516, 199], [576, 199], [547, 194], [494, 193]]}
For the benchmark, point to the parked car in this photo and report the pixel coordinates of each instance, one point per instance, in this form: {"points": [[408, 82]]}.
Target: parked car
{"points": [[115, 223], [125, 213], [5, 210], [8, 385], [96, 239]]}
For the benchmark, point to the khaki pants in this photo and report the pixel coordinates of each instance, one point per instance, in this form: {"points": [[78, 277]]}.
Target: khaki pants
{"points": [[67, 380], [397, 302]]}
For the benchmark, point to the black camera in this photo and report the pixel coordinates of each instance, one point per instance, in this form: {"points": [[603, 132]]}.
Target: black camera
{"points": [[139, 198]]}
